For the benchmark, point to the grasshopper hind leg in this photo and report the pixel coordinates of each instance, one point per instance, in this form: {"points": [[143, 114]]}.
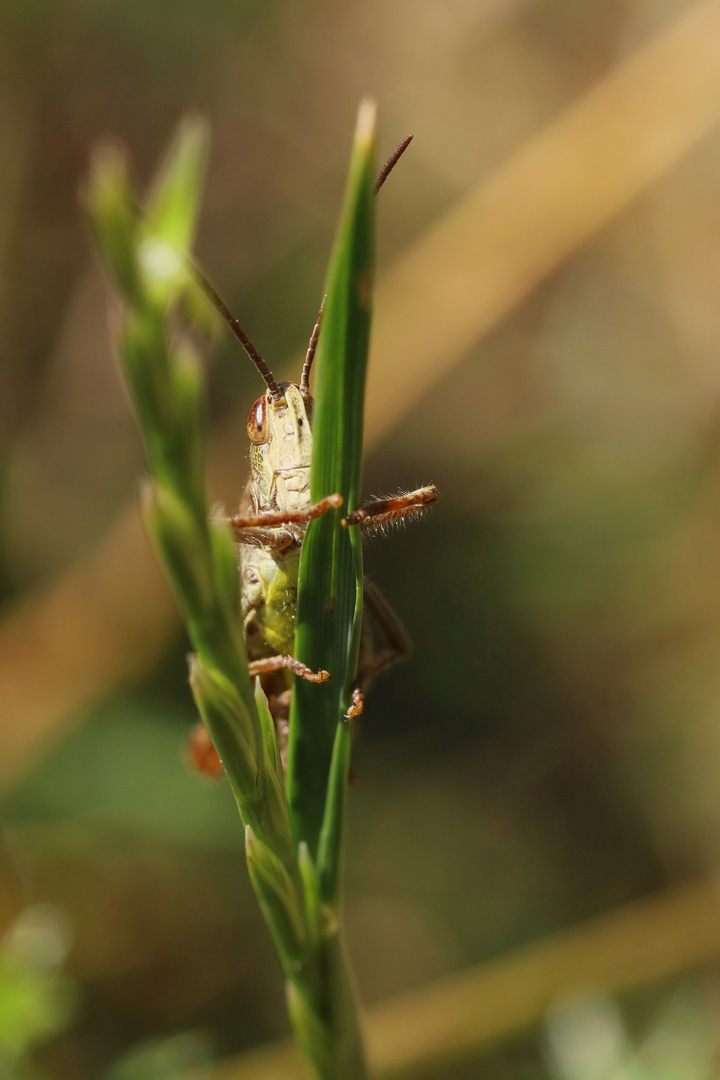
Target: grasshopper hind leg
{"points": [[200, 752], [268, 664], [398, 645]]}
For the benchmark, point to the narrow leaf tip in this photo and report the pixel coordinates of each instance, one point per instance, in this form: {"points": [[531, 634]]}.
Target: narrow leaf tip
{"points": [[366, 122]]}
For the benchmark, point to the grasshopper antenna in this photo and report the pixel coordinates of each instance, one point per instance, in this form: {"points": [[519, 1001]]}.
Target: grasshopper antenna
{"points": [[312, 346], [310, 354], [391, 163], [239, 333]]}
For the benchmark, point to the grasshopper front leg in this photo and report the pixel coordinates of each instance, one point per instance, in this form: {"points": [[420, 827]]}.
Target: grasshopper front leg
{"points": [[266, 527], [372, 515]]}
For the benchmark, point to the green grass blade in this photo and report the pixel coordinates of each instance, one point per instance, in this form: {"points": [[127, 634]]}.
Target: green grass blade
{"points": [[330, 848], [330, 583]]}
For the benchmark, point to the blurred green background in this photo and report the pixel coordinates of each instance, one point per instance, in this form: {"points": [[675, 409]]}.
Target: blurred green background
{"points": [[551, 752]]}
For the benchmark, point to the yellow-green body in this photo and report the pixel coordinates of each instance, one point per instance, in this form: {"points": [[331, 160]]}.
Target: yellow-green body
{"points": [[269, 599], [280, 458]]}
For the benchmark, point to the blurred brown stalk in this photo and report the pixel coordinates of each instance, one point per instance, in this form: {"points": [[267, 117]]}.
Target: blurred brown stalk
{"points": [[458, 1017]]}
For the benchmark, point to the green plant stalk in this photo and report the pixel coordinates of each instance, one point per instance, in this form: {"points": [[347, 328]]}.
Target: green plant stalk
{"points": [[294, 856]]}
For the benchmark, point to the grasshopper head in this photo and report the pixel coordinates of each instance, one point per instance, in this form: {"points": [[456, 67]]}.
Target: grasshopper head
{"points": [[278, 424], [281, 447]]}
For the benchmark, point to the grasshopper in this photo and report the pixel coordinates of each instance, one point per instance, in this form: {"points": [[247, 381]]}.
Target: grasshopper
{"points": [[270, 527]]}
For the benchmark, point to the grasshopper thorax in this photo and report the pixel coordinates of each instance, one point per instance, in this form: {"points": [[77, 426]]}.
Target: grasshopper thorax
{"points": [[281, 449]]}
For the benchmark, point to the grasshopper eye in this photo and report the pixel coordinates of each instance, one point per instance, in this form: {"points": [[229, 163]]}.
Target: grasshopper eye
{"points": [[257, 423]]}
